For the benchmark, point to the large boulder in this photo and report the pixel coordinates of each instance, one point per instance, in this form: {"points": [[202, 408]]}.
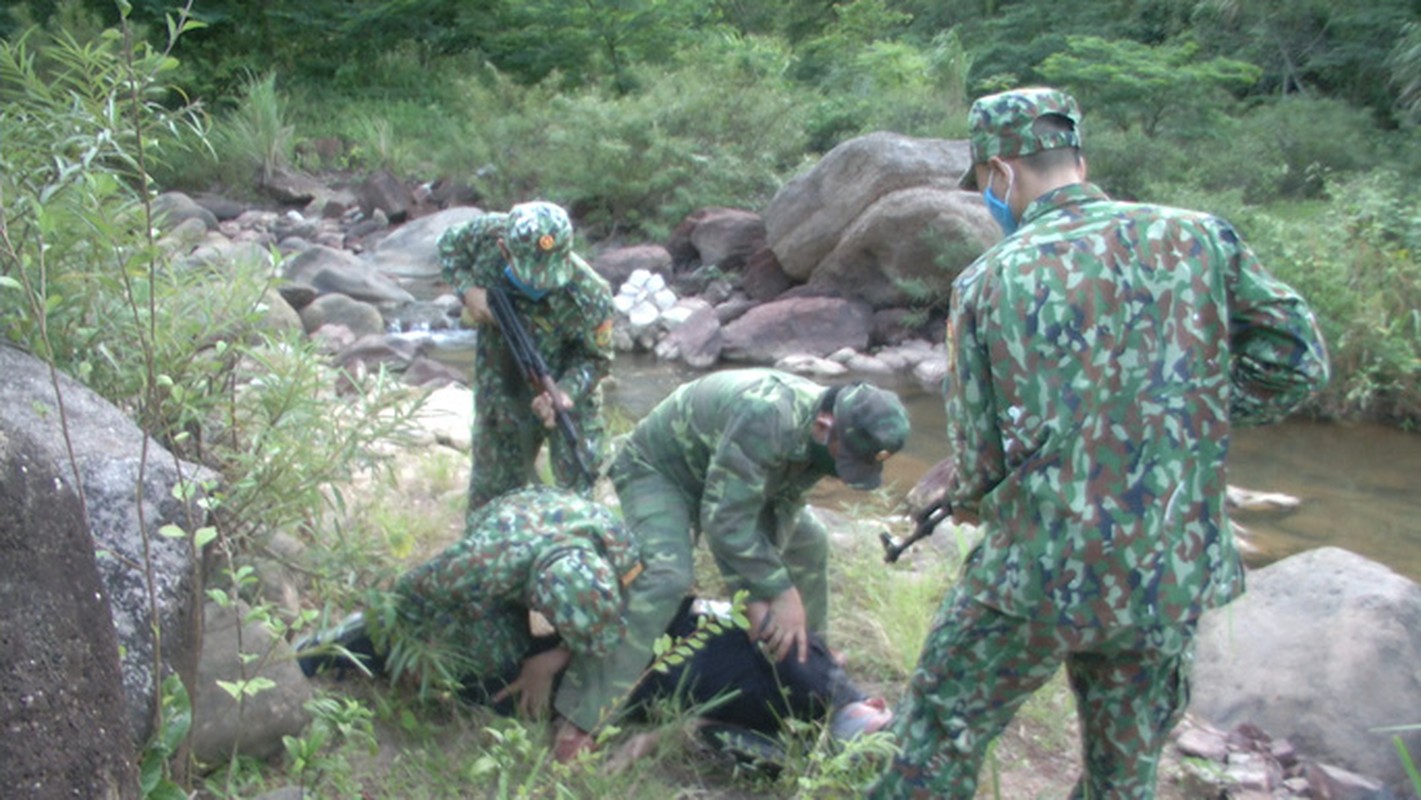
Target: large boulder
{"points": [[149, 580], [1322, 650], [65, 730], [835, 208], [922, 236], [814, 326], [331, 271], [411, 251]]}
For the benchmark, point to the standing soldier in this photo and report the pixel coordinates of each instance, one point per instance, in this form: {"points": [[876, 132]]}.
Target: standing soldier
{"points": [[1097, 359], [730, 457], [539, 549], [567, 310]]}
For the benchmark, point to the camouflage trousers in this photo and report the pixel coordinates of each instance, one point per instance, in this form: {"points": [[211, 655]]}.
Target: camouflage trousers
{"points": [[507, 436], [979, 665], [662, 517]]}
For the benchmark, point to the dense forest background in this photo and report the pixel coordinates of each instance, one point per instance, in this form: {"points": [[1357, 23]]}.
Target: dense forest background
{"points": [[1296, 119]]}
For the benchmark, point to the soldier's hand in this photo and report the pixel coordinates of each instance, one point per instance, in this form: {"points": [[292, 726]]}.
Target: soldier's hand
{"points": [[476, 307], [534, 685], [543, 407], [781, 625]]}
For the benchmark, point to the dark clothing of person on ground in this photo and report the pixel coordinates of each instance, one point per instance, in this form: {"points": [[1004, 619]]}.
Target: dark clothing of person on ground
{"points": [[729, 457]]}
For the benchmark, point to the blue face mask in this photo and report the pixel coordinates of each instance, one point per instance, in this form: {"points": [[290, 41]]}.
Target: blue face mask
{"points": [[532, 294], [1001, 212]]}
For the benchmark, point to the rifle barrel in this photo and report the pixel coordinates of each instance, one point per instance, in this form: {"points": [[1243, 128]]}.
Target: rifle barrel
{"points": [[525, 352]]}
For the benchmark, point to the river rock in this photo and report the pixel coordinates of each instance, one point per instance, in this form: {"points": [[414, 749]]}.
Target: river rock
{"points": [[235, 650], [384, 192], [362, 319], [411, 251], [697, 340], [815, 326], [331, 271], [763, 278], [172, 209], [1321, 650], [725, 237], [618, 264], [922, 236], [847, 211]]}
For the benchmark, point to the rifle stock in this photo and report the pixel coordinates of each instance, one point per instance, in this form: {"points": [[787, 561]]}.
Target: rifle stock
{"points": [[525, 352], [928, 520]]}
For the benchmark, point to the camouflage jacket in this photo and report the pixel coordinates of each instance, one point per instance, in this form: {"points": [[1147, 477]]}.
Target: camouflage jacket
{"points": [[1097, 360], [476, 594], [572, 326], [739, 445]]}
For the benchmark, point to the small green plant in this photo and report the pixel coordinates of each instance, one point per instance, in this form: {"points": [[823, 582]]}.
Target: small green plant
{"points": [[155, 762], [1408, 763], [316, 756]]}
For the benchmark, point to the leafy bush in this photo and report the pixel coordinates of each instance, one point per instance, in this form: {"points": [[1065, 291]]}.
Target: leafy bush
{"points": [[1287, 148]]}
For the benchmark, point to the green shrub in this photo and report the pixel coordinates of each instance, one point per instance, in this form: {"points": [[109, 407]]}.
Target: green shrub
{"points": [[1288, 148]]}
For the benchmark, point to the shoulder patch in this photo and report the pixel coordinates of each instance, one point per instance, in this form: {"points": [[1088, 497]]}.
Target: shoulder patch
{"points": [[603, 334]]}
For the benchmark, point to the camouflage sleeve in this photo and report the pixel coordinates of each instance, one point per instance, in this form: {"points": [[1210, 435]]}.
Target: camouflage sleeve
{"points": [[590, 356], [1278, 356], [971, 404], [468, 253], [733, 502]]}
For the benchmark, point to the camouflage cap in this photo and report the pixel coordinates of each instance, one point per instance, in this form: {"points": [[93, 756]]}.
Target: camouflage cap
{"points": [[580, 594], [870, 424], [539, 240], [1002, 125]]}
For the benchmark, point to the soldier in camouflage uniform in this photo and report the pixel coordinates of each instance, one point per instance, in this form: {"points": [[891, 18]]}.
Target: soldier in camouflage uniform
{"points": [[1098, 356], [730, 457], [542, 549], [567, 309]]}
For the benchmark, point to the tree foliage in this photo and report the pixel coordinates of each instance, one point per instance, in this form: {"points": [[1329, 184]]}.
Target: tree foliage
{"points": [[1137, 85]]}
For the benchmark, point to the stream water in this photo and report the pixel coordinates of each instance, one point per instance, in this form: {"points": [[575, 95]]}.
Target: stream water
{"points": [[1359, 485]]}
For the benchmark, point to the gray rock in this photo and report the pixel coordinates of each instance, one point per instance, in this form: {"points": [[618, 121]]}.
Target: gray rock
{"points": [[1321, 650], [291, 186], [171, 209], [801, 325], [921, 236], [62, 706], [1333, 783], [255, 728], [328, 270], [696, 341], [362, 319], [807, 216], [725, 237], [412, 250], [383, 191], [134, 560], [617, 264]]}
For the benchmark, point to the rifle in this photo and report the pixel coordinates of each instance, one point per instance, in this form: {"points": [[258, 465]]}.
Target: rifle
{"points": [[927, 520], [525, 352]]}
